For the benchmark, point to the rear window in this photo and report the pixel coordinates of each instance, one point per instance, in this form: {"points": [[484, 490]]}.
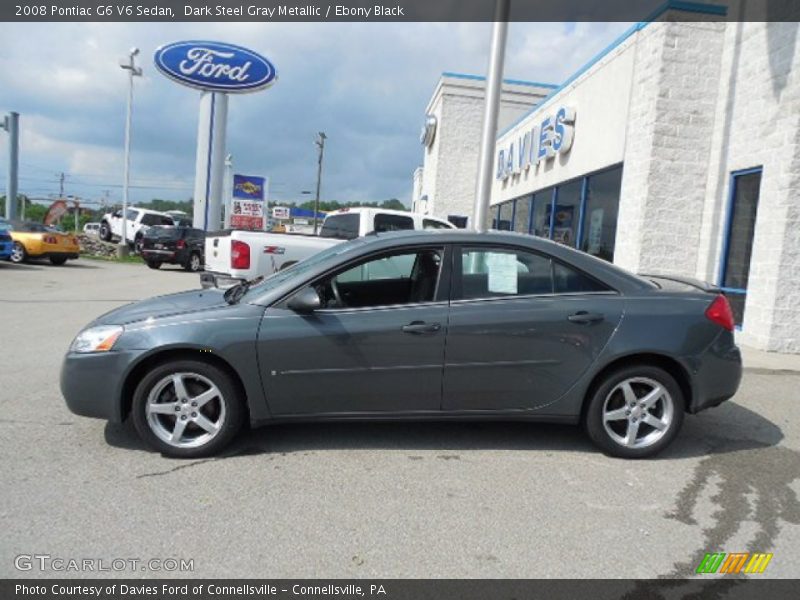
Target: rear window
{"points": [[385, 222], [340, 227], [163, 233]]}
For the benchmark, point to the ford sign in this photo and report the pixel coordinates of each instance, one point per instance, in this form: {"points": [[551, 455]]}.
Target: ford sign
{"points": [[215, 67]]}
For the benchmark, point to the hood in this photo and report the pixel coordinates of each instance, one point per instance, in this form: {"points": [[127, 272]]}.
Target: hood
{"points": [[164, 306]]}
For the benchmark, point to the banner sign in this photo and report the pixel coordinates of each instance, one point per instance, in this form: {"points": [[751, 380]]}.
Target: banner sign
{"points": [[247, 205]]}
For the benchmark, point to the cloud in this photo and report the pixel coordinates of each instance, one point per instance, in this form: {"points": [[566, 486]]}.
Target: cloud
{"points": [[365, 84]]}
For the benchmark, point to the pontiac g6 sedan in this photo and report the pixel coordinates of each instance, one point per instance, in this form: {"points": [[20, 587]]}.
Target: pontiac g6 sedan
{"points": [[415, 325]]}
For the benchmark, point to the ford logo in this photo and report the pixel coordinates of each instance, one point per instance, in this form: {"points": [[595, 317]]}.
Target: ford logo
{"points": [[214, 66]]}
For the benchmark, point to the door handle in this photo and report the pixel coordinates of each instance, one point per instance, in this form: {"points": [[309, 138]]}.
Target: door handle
{"points": [[585, 318], [420, 327]]}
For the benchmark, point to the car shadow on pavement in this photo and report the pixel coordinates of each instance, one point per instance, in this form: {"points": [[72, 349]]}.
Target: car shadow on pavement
{"points": [[730, 427]]}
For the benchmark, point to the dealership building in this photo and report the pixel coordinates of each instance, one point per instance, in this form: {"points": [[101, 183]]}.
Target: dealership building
{"points": [[676, 150]]}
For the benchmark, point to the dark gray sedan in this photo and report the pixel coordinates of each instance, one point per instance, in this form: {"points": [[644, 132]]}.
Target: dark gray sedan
{"points": [[415, 325]]}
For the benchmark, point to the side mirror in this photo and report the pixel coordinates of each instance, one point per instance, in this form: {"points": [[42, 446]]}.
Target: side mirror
{"points": [[305, 301]]}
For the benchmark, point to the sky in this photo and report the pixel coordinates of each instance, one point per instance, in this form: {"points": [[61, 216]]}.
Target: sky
{"points": [[365, 85]]}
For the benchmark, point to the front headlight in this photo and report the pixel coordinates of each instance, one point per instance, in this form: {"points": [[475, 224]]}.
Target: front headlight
{"points": [[96, 339]]}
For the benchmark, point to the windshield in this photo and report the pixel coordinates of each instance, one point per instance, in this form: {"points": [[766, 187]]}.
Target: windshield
{"points": [[304, 266]]}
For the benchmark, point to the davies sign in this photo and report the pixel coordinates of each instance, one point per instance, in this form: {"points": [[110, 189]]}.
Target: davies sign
{"points": [[541, 142], [215, 66]]}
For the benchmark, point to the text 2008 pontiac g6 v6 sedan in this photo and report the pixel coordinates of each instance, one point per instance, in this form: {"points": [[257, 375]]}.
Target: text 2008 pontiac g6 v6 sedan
{"points": [[415, 325]]}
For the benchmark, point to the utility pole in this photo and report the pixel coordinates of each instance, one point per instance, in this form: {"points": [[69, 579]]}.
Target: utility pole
{"points": [[494, 81], [11, 124], [61, 186], [133, 71], [321, 137]]}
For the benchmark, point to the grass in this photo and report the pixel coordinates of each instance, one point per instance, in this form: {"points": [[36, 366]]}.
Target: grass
{"points": [[131, 258]]}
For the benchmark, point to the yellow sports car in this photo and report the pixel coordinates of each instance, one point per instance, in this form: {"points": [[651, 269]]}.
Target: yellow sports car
{"points": [[34, 240]]}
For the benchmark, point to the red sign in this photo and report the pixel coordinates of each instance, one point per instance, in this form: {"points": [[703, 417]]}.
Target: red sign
{"points": [[246, 222]]}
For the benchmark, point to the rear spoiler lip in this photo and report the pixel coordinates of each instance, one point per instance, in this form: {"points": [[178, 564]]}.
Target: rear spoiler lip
{"points": [[704, 286]]}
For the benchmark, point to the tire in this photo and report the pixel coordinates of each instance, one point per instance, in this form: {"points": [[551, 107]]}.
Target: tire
{"points": [[105, 231], [18, 253], [153, 264], [194, 264], [137, 244], [611, 416], [224, 409], [58, 260]]}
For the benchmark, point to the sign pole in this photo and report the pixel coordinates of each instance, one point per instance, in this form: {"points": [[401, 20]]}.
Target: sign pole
{"points": [[494, 81], [11, 125], [228, 190], [210, 160], [133, 71]]}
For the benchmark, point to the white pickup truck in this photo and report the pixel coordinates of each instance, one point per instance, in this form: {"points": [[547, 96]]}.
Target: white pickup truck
{"points": [[234, 256]]}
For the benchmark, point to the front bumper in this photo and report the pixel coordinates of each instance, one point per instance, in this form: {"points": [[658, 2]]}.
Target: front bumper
{"points": [[211, 279], [92, 383]]}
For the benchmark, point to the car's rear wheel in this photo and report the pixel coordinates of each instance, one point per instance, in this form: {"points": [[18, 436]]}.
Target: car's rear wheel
{"points": [[18, 254], [105, 232], [187, 409], [58, 260], [194, 264], [153, 264], [635, 412]]}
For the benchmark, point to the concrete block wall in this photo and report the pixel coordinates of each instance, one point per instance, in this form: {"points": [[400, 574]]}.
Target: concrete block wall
{"points": [[758, 124], [668, 141]]}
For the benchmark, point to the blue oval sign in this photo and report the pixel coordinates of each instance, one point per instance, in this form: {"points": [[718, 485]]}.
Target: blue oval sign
{"points": [[215, 66]]}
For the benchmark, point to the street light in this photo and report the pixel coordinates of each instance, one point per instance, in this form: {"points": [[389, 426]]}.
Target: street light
{"points": [[320, 142], [129, 65]]}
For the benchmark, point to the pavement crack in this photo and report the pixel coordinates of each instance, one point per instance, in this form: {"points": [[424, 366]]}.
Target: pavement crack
{"points": [[176, 468]]}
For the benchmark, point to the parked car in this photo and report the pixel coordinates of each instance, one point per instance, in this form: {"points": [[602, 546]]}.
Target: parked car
{"points": [[6, 243], [175, 246], [235, 256], [92, 229], [138, 219], [34, 240], [532, 330]]}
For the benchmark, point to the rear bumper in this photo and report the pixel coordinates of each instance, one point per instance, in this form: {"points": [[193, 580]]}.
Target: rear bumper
{"points": [[69, 255], [211, 279], [718, 375], [5, 249], [174, 257]]}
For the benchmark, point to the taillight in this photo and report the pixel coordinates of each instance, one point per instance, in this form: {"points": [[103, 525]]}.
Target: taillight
{"points": [[181, 244], [720, 312], [240, 255]]}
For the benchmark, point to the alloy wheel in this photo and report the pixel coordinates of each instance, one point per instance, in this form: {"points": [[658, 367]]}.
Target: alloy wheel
{"points": [[17, 253], [638, 412], [194, 262], [185, 410]]}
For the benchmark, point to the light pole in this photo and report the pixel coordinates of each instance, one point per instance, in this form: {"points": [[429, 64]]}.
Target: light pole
{"points": [[320, 142], [494, 81], [129, 65]]}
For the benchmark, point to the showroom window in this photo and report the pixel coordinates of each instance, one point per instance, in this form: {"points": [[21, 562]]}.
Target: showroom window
{"points": [[585, 214], [738, 240], [564, 224], [599, 223], [522, 214]]}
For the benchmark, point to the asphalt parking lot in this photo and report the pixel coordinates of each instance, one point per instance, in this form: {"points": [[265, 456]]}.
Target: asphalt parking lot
{"points": [[372, 500]]}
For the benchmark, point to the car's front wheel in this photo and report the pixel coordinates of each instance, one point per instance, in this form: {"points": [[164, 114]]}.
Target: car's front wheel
{"points": [[635, 412], [187, 409], [18, 254], [153, 264]]}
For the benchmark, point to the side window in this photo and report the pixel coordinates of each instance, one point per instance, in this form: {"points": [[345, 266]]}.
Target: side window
{"points": [[569, 281], [431, 224], [164, 220], [131, 214], [498, 272], [384, 222], [398, 278], [341, 227], [149, 220]]}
